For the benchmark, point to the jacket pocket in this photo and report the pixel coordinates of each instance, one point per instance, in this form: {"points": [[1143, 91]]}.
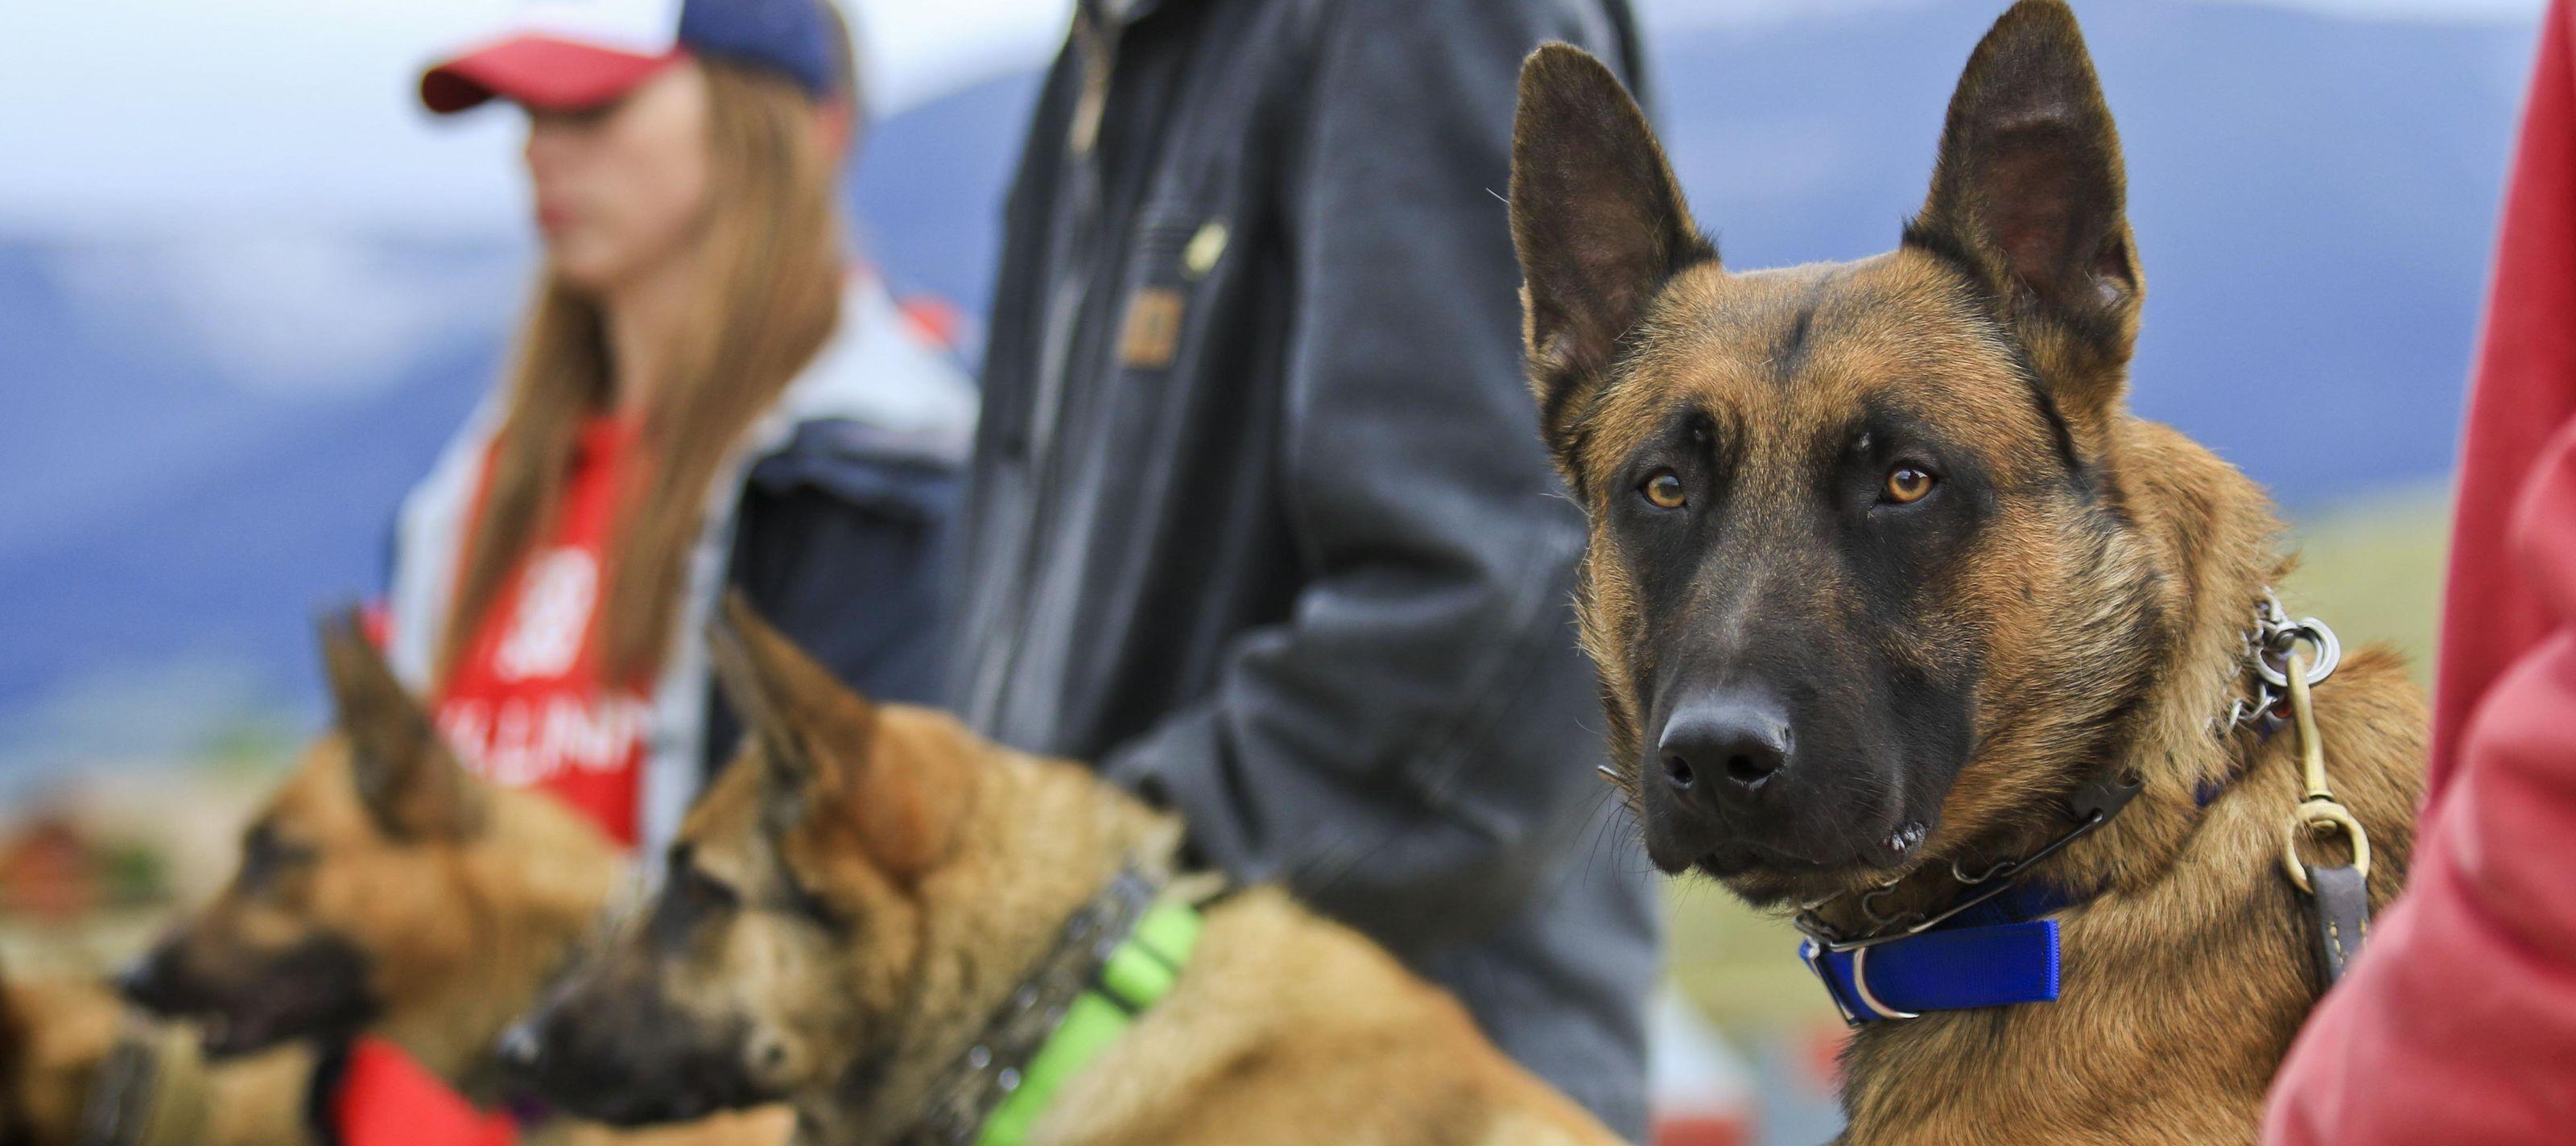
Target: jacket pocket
{"points": [[1172, 266]]}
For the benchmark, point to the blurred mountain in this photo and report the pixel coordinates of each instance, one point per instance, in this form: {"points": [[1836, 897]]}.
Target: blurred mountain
{"points": [[202, 434], [2314, 200], [206, 435], [929, 191]]}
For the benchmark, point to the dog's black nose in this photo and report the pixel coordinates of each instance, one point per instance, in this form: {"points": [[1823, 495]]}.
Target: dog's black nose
{"points": [[146, 982], [522, 1049], [1722, 746], [136, 984]]}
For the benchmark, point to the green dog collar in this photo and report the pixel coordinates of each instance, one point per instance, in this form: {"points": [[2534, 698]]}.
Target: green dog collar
{"points": [[1118, 955], [1135, 977]]}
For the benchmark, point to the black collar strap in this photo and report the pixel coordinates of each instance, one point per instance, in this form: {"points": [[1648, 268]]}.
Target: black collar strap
{"points": [[2090, 806], [966, 1095], [1994, 945]]}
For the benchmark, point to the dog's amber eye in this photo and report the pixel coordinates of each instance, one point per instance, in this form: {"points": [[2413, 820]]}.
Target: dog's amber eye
{"points": [[1664, 488], [1907, 484]]}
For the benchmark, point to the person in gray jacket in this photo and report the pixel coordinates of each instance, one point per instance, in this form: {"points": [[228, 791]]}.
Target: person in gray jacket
{"points": [[1258, 518]]}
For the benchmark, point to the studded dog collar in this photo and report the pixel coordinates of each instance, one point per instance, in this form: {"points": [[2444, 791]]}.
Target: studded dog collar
{"points": [[1118, 955], [1994, 945]]}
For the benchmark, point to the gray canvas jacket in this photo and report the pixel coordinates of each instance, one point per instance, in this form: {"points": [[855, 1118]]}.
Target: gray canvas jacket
{"points": [[1259, 519]]}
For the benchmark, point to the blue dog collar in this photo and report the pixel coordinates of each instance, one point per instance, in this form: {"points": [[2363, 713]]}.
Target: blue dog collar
{"points": [[1998, 948], [1999, 953]]}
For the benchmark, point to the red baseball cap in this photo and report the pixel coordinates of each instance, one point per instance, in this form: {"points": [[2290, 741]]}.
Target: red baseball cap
{"points": [[565, 55]]}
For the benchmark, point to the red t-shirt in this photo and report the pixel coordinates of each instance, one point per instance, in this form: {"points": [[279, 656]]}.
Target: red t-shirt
{"points": [[526, 706]]}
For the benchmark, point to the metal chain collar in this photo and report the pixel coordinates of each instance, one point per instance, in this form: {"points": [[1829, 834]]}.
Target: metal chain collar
{"points": [[2090, 806], [970, 1089], [2267, 648]]}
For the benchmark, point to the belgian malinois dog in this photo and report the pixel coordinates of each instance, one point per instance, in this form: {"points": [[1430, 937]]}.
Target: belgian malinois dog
{"points": [[1886, 586], [387, 890], [868, 887]]}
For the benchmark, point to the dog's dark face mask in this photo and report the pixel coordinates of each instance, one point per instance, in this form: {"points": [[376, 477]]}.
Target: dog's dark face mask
{"points": [[645, 1029], [347, 877], [782, 950], [1860, 588], [253, 970]]}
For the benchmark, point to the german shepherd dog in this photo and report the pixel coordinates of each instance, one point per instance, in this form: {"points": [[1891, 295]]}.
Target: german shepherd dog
{"points": [[58, 1038], [1883, 573], [867, 886], [386, 890]]}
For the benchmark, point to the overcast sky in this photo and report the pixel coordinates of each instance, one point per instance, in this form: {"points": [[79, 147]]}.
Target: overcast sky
{"points": [[134, 115]]}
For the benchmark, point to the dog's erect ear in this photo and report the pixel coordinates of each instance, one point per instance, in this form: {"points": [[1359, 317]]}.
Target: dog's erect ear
{"points": [[1598, 221], [406, 776], [2028, 198], [823, 748], [783, 698]]}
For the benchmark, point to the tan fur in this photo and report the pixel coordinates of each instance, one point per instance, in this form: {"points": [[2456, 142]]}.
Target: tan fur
{"points": [[258, 1100], [2188, 973], [65, 1029], [1285, 1023], [460, 898], [458, 934], [57, 1033], [2186, 980], [766, 1126], [1283, 1028]]}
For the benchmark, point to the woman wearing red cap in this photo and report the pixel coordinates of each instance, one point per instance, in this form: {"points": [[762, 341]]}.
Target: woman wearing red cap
{"points": [[703, 397]]}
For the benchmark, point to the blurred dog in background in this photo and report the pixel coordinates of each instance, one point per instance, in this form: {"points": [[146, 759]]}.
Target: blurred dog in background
{"points": [[871, 916], [386, 890]]}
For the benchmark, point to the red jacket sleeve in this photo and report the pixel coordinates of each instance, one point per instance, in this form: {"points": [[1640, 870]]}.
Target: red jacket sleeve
{"points": [[2458, 1023]]}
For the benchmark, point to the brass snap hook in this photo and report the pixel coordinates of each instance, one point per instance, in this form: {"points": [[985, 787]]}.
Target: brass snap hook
{"points": [[2317, 819], [2319, 814]]}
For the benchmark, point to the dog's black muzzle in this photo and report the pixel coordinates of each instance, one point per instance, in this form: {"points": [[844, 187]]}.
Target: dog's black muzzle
{"points": [[316, 988], [1736, 781], [630, 1060]]}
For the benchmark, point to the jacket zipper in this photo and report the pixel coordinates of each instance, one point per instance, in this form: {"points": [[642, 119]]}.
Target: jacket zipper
{"points": [[1096, 45]]}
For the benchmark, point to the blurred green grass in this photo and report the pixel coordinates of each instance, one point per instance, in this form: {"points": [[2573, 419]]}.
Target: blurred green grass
{"points": [[2371, 569]]}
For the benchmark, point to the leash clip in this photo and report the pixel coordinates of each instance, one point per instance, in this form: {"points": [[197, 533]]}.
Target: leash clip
{"points": [[2318, 819], [2339, 894], [2319, 814], [2268, 646]]}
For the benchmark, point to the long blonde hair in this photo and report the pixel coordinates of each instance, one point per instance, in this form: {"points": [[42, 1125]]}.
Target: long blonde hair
{"points": [[768, 299]]}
